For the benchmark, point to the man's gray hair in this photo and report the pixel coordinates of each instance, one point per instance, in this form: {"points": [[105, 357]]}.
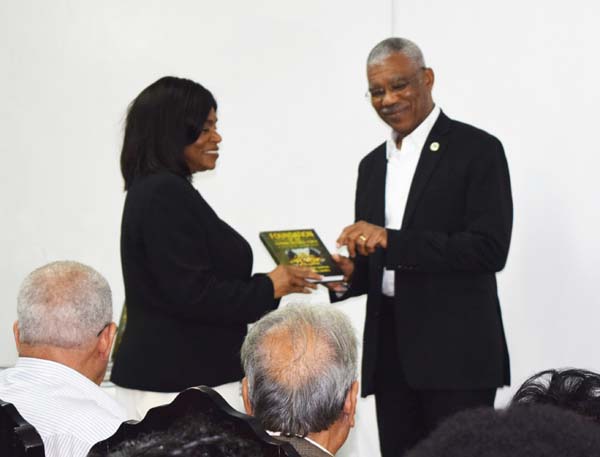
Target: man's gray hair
{"points": [[300, 362], [63, 304], [385, 48]]}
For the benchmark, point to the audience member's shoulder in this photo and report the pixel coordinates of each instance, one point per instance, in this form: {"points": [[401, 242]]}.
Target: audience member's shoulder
{"points": [[66, 444]]}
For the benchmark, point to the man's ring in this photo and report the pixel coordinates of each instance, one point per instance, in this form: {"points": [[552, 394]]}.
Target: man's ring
{"points": [[362, 238]]}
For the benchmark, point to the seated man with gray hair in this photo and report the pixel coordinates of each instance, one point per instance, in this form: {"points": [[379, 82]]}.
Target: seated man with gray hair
{"points": [[64, 334], [301, 377]]}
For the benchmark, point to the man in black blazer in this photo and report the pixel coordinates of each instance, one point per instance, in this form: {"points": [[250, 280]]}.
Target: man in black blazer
{"points": [[433, 226]]}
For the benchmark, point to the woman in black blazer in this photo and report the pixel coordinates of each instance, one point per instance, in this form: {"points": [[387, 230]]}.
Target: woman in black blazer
{"points": [[188, 284]]}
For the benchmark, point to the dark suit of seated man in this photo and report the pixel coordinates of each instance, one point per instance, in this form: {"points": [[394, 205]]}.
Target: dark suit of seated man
{"points": [[301, 377]]}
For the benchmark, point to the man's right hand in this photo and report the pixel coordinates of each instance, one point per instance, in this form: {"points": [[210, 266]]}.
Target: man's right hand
{"points": [[347, 266]]}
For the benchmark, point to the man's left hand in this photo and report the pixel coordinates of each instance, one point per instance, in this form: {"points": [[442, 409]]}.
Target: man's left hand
{"points": [[363, 238]]}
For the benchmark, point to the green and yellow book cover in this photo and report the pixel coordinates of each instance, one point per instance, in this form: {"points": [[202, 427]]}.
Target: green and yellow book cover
{"points": [[302, 248]]}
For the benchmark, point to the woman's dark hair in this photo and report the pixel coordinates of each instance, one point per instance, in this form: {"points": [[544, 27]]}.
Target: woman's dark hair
{"points": [[163, 119]]}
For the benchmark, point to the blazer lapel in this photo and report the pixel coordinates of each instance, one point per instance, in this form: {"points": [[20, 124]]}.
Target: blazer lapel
{"points": [[376, 206], [376, 193], [430, 155]]}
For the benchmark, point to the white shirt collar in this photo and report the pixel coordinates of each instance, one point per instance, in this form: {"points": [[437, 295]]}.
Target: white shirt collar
{"points": [[317, 445], [417, 137], [314, 443], [45, 367]]}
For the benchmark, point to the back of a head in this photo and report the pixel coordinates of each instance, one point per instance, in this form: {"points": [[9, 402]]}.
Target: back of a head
{"points": [[63, 304], [165, 117], [190, 437], [574, 389], [300, 363], [519, 431]]}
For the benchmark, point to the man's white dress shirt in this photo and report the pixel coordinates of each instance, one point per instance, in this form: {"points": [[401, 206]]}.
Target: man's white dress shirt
{"points": [[401, 166], [69, 411]]}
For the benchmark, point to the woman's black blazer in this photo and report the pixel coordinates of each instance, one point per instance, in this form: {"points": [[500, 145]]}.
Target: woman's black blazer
{"points": [[188, 289]]}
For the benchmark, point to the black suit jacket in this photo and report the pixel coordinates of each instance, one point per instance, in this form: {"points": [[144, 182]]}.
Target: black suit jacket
{"points": [[455, 236], [188, 288]]}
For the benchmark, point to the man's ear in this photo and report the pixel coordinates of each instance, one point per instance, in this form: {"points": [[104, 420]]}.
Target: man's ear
{"points": [[429, 78], [17, 335], [350, 402], [246, 396], [105, 340]]}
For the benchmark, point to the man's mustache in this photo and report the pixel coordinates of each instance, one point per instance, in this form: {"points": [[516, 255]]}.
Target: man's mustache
{"points": [[391, 109]]}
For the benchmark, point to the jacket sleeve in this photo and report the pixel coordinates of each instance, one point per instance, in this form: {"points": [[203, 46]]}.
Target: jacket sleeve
{"points": [[359, 282], [482, 247], [177, 242]]}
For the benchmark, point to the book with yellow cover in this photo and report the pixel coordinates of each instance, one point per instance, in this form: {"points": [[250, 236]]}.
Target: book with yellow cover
{"points": [[302, 248]]}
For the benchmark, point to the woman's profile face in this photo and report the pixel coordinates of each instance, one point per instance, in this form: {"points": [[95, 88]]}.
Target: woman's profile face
{"points": [[202, 154]]}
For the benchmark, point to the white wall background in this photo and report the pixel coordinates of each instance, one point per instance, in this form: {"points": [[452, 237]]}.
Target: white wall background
{"points": [[528, 72], [289, 79]]}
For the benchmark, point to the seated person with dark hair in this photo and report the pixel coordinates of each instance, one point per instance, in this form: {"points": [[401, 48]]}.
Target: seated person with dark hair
{"points": [[574, 389], [519, 431], [190, 437], [300, 367]]}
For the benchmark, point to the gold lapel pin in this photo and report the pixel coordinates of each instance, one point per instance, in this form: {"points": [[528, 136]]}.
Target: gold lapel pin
{"points": [[435, 146]]}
